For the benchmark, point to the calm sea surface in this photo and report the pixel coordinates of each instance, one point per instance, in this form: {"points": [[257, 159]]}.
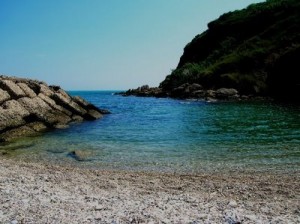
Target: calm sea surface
{"points": [[169, 135]]}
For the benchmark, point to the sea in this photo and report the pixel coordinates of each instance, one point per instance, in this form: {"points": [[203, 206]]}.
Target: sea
{"points": [[174, 136]]}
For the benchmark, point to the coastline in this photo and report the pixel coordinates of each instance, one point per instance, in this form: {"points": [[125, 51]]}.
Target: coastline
{"points": [[33, 192]]}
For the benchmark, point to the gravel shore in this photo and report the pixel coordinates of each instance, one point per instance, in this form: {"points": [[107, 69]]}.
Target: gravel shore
{"points": [[44, 193]]}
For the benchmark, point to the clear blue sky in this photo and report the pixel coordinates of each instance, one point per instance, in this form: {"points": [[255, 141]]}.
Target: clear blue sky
{"points": [[101, 44]]}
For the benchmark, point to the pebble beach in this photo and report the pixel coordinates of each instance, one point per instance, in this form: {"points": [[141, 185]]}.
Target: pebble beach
{"points": [[32, 192]]}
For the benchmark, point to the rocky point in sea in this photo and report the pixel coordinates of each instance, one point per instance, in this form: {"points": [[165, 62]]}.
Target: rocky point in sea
{"points": [[188, 91], [28, 107]]}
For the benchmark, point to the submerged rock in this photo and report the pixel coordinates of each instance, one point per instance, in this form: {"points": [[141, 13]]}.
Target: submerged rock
{"points": [[81, 155], [28, 107]]}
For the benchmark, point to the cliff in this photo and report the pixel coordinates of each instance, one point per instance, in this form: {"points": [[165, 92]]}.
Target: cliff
{"points": [[28, 107], [255, 51]]}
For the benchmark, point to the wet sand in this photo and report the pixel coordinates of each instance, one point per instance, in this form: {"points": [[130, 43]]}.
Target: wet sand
{"points": [[44, 193]]}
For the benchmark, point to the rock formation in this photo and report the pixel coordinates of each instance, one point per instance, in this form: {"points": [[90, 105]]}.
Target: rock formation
{"points": [[28, 107], [187, 91]]}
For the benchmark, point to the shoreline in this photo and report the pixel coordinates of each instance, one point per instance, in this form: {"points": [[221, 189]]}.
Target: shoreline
{"points": [[33, 192]]}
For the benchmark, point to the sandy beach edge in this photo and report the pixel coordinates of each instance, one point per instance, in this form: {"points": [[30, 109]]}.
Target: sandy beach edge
{"points": [[32, 192]]}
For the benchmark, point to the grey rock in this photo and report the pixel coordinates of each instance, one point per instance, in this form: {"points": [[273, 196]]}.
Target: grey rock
{"points": [[4, 96], [34, 86], [43, 112], [15, 107], [93, 115], [35, 105], [81, 155], [77, 118], [199, 94], [194, 87], [226, 93], [38, 126], [233, 203], [12, 114], [64, 94], [210, 93], [53, 104], [210, 99], [17, 133], [82, 102], [67, 103], [46, 90], [8, 120], [57, 89], [85, 104], [180, 91], [28, 92], [61, 126], [12, 88], [186, 90], [28, 107]]}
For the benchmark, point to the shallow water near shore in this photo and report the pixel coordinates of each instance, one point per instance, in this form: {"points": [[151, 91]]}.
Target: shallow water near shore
{"points": [[149, 134]]}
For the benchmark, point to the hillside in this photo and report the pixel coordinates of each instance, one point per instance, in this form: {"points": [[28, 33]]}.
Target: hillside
{"points": [[255, 50]]}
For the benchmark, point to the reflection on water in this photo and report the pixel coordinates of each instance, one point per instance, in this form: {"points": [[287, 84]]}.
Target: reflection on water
{"points": [[172, 135]]}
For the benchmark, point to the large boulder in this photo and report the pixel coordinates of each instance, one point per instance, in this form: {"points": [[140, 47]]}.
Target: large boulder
{"points": [[29, 107], [10, 119], [4, 96], [53, 104], [17, 133], [93, 112], [181, 91], [12, 88], [12, 114], [81, 155], [92, 115], [43, 112], [187, 90], [28, 92], [225, 93], [16, 107], [44, 89], [68, 103]]}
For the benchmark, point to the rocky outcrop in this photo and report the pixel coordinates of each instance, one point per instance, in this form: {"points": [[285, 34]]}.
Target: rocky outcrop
{"points": [[187, 91], [254, 50], [28, 107], [145, 91], [244, 54]]}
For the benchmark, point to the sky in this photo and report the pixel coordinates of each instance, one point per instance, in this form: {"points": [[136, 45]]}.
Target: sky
{"points": [[101, 44]]}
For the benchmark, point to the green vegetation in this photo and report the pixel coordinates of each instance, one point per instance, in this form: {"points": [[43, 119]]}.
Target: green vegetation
{"points": [[246, 49]]}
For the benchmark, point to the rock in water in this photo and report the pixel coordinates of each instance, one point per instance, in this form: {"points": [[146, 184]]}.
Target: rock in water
{"points": [[28, 107], [81, 155], [225, 93]]}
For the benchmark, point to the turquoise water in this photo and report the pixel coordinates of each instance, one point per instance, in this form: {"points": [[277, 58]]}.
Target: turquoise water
{"points": [[169, 135]]}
